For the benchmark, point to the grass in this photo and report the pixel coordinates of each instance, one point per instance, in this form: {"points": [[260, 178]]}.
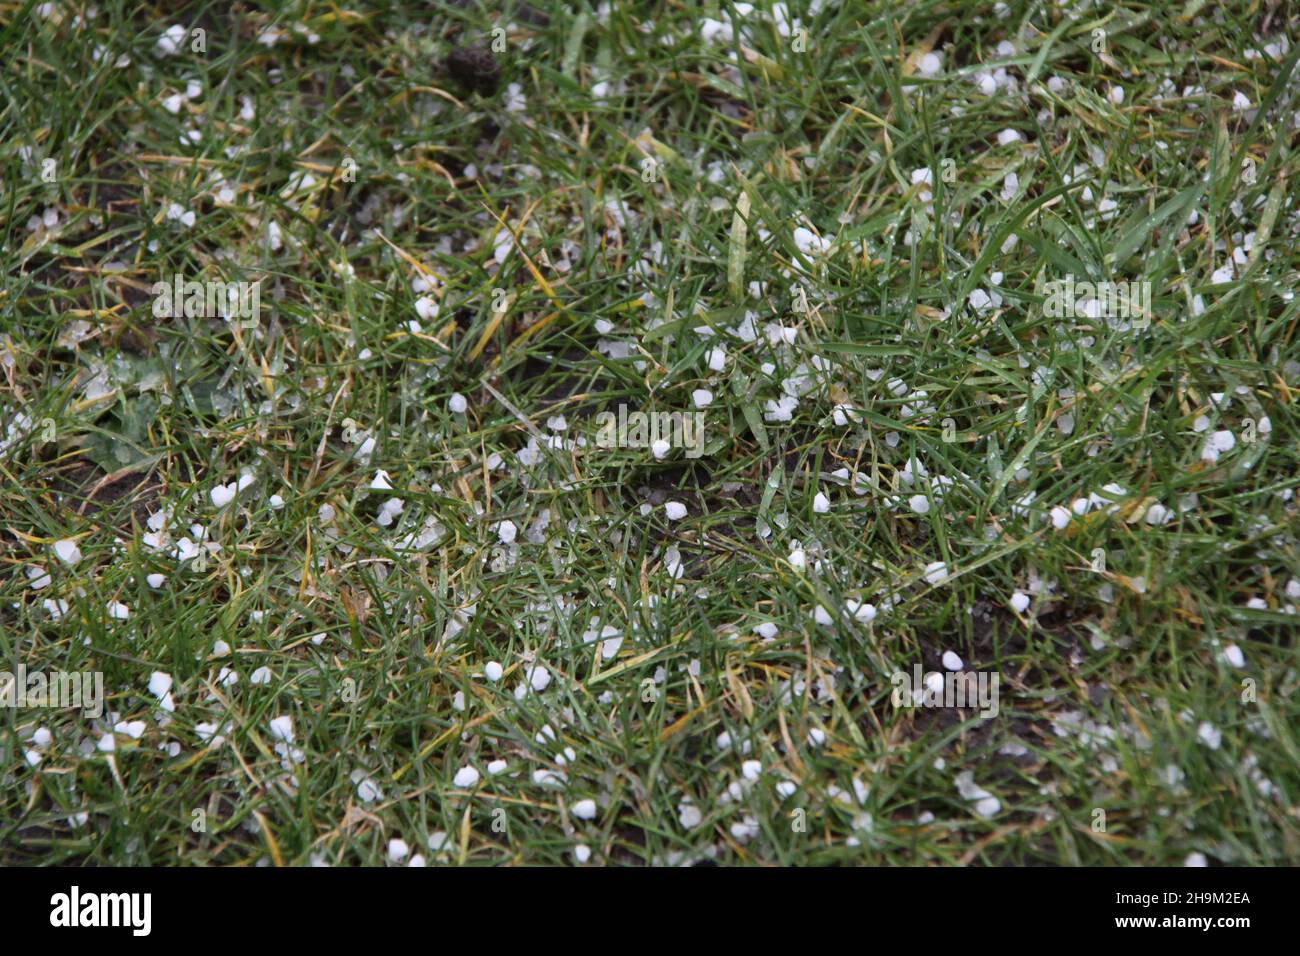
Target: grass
{"points": [[652, 215]]}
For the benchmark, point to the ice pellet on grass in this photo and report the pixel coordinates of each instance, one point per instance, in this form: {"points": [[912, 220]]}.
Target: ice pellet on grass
{"points": [[842, 415], [1209, 735], [1158, 514], [986, 805], [951, 661], [810, 243], [923, 175], [171, 40], [585, 809], [223, 495], [745, 830], [282, 728], [389, 511], [675, 510], [861, 611], [427, 309], [493, 671], [457, 404], [507, 531], [465, 778], [936, 572], [1019, 602], [781, 409], [209, 733], [67, 551], [1218, 443], [160, 684]]}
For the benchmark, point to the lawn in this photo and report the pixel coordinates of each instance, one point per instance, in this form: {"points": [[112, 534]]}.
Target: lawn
{"points": [[552, 433]]}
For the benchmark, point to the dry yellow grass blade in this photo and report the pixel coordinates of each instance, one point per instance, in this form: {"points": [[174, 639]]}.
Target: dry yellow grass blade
{"points": [[497, 318], [536, 273], [410, 259]]}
